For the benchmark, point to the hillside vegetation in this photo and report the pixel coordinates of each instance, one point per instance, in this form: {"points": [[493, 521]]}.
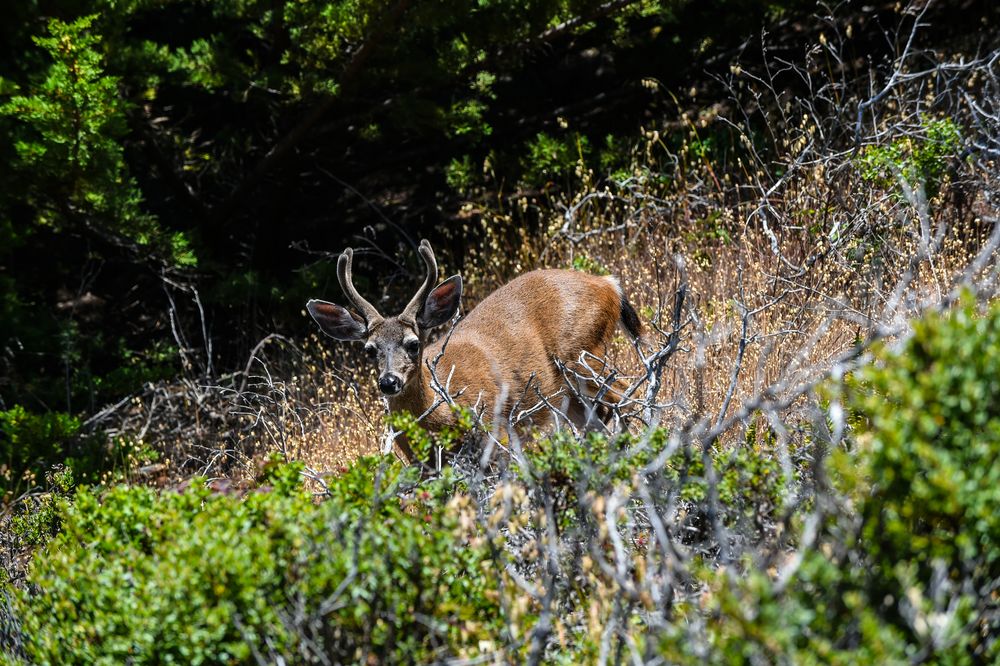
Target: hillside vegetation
{"points": [[801, 202]]}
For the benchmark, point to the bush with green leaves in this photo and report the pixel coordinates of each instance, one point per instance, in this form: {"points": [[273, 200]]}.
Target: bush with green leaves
{"points": [[918, 159], [906, 564], [31, 522], [28, 440], [552, 158], [39, 521], [36, 445], [68, 128], [70, 211], [749, 618], [144, 576], [749, 484], [930, 481]]}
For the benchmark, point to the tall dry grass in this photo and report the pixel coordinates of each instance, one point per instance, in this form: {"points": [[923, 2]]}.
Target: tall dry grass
{"points": [[764, 307]]}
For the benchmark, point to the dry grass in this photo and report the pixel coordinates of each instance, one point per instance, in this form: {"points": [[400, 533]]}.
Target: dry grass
{"points": [[806, 304], [810, 303], [322, 407]]}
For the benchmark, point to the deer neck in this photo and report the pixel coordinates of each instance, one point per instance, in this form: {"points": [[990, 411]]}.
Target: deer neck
{"points": [[416, 396]]}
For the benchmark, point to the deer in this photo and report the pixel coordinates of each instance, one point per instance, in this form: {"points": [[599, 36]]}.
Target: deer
{"points": [[512, 344]]}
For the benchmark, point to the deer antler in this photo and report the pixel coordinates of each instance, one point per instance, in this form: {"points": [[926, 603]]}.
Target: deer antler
{"points": [[411, 311], [368, 310]]}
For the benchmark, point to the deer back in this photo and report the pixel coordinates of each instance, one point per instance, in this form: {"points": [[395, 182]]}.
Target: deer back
{"points": [[510, 341]]}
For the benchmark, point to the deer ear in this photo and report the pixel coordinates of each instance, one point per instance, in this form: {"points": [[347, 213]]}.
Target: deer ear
{"points": [[442, 303], [337, 322]]}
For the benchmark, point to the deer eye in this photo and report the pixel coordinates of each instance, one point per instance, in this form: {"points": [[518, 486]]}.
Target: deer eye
{"points": [[371, 351], [412, 346]]}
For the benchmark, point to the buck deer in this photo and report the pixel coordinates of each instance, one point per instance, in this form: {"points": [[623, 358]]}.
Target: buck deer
{"points": [[505, 347]]}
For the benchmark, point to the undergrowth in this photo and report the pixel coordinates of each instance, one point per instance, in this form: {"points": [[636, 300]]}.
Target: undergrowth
{"points": [[899, 563]]}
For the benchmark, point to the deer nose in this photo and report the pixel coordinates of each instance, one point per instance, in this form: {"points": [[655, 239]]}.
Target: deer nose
{"points": [[390, 384]]}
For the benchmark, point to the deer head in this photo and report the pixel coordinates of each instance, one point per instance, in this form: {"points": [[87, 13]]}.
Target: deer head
{"points": [[395, 343]]}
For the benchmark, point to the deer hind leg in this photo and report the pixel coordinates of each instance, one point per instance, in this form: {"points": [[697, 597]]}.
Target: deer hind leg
{"points": [[608, 398], [596, 396], [613, 398]]}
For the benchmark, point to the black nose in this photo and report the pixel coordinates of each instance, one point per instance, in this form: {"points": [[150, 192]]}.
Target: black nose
{"points": [[390, 384]]}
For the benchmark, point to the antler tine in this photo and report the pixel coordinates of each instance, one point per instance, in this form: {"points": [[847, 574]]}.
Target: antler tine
{"points": [[417, 302], [368, 310]]}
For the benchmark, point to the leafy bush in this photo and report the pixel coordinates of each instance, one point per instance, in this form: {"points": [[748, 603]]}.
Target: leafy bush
{"points": [[587, 264], [32, 445], [28, 440], [550, 158], [919, 159], [911, 573], [753, 619], [931, 455], [748, 484], [40, 521], [68, 205], [142, 576], [67, 136], [29, 523]]}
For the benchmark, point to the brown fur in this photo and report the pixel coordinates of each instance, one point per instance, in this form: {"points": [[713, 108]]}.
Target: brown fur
{"points": [[515, 333]]}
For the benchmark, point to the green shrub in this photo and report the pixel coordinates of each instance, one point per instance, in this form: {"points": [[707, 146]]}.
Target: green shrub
{"points": [[142, 576], [933, 444], [28, 441], [909, 574], [749, 484], [917, 159], [587, 264], [551, 159], [931, 455], [460, 174], [67, 200], [29, 523], [750, 620], [67, 138], [33, 444], [40, 521]]}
